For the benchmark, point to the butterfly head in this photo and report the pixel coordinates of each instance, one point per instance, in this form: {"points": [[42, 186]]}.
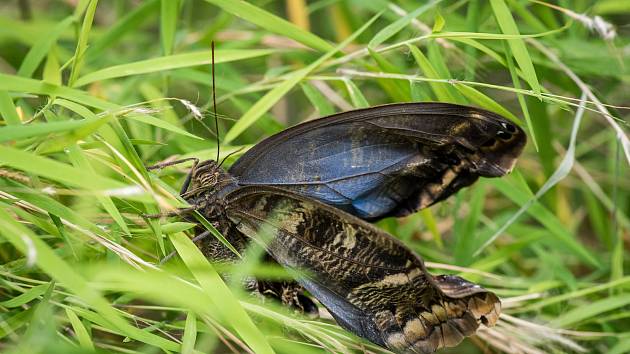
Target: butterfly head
{"points": [[502, 145], [208, 181]]}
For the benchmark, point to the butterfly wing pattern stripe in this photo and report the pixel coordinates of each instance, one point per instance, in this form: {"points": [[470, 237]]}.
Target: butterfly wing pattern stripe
{"points": [[386, 160], [370, 282]]}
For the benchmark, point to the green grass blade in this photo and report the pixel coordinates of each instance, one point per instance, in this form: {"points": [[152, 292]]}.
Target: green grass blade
{"points": [[169, 11], [85, 341], [519, 96], [52, 68], [545, 217], [623, 346], [439, 89], [482, 100], [48, 261], [272, 23], [561, 172], [40, 49], [170, 62], [8, 112], [357, 98], [60, 172], [16, 83], [317, 100], [591, 311], [212, 283], [396, 26], [77, 62], [80, 160], [508, 26], [126, 25], [190, 334], [28, 296], [273, 96]]}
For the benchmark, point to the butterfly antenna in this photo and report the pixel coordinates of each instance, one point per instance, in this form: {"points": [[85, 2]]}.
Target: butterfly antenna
{"points": [[214, 104], [230, 154]]}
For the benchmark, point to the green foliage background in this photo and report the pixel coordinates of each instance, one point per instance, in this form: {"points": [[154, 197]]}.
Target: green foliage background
{"points": [[92, 92]]}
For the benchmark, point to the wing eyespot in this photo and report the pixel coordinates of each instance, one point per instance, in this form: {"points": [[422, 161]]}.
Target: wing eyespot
{"points": [[489, 143], [504, 135], [509, 127]]}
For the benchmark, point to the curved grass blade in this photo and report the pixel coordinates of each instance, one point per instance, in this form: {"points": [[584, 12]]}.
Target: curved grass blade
{"points": [[63, 173], [396, 26], [170, 62], [561, 172], [273, 96], [522, 57], [212, 283], [40, 49], [49, 262], [272, 23]]}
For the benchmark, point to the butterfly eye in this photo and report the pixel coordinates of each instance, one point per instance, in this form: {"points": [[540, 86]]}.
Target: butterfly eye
{"points": [[509, 127], [503, 135], [489, 143]]}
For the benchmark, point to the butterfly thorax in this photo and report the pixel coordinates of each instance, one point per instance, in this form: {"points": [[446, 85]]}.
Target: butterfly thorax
{"points": [[209, 184]]}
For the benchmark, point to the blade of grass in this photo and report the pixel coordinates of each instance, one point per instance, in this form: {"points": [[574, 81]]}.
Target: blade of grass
{"points": [[272, 23], [40, 49], [169, 63], [561, 172], [82, 334], [484, 101], [318, 100], [52, 69], [77, 62], [190, 334], [520, 97], [264, 104], [8, 111], [396, 26], [212, 283], [508, 26], [11, 324], [440, 90], [591, 311], [128, 24], [398, 91], [169, 11], [145, 118], [28, 296], [20, 84], [60, 172], [79, 160], [49, 262], [357, 98]]}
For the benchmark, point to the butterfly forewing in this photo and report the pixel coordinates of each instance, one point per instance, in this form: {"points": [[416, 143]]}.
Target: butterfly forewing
{"points": [[387, 160], [371, 283]]}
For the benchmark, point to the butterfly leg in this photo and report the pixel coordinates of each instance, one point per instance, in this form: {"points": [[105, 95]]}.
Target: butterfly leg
{"points": [[288, 292], [161, 165], [176, 212], [177, 162]]}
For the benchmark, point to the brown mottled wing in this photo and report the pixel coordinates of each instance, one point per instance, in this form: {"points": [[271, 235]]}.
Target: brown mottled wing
{"points": [[370, 282], [386, 160]]}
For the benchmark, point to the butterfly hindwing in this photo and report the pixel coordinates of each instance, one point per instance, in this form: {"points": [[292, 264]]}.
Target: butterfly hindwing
{"points": [[371, 283], [387, 160]]}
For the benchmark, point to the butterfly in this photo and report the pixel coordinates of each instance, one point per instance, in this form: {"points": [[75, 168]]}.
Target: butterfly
{"points": [[307, 195]]}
